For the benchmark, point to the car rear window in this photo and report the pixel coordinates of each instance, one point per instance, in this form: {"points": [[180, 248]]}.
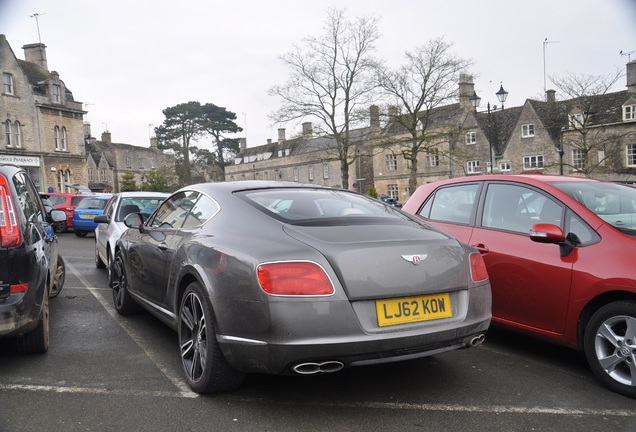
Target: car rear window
{"points": [[92, 204], [298, 205]]}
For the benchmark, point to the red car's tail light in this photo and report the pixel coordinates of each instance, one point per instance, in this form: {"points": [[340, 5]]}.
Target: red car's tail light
{"points": [[9, 229], [478, 270], [295, 278]]}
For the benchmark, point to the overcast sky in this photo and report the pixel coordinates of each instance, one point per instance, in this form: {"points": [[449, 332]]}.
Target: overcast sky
{"points": [[128, 60]]}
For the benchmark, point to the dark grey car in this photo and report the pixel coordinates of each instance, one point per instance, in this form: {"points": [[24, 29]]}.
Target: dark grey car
{"points": [[282, 278]]}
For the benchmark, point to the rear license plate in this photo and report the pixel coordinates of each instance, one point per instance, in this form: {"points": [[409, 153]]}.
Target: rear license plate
{"points": [[413, 309], [88, 216]]}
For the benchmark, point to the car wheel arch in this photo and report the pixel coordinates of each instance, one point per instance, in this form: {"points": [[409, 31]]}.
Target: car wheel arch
{"points": [[594, 305]]}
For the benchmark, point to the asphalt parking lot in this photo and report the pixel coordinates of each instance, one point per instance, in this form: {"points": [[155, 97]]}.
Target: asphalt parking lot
{"points": [[104, 372]]}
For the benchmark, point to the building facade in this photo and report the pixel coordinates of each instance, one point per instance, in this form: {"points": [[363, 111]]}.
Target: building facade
{"points": [[42, 124]]}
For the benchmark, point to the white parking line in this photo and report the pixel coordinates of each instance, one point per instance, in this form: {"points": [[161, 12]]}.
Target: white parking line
{"points": [[98, 293]]}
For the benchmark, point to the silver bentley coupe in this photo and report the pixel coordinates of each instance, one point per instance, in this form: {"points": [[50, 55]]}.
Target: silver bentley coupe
{"points": [[285, 278]]}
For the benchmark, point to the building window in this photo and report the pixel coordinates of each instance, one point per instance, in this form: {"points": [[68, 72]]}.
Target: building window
{"points": [[63, 139], [325, 170], [432, 157], [390, 162], [578, 159], [527, 130], [56, 138], [17, 135], [295, 174], [102, 175], [505, 166], [631, 155], [7, 133], [56, 95], [91, 174], [629, 112], [601, 157], [141, 163], [311, 172], [7, 80], [471, 137], [152, 163], [533, 162], [576, 120], [128, 163], [473, 166], [392, 191]]}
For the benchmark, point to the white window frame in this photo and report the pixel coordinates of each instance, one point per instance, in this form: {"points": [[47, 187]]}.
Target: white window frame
{"points": [[310, 172], [576, 120], [325, 170], [527, 130], [7, 133], [630, 153], [533, 162], [578, 159], [432, 157], [471, 138], [17, 134], [56, 138], [629, 112], [63, 138], [296, 175], [128, 163], [91, 174], [7, 83], [471, 167], [505, 166], [393, 191], [601, 157], [56, 93], [390, 162]]}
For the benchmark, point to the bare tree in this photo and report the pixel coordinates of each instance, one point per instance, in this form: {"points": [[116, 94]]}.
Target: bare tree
{"points": [[428, 80], [330, 80], [594, 148]]}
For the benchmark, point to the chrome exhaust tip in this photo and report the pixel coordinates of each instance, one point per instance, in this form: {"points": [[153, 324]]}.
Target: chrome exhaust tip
{"points": [[316, 368], [477, 340]]}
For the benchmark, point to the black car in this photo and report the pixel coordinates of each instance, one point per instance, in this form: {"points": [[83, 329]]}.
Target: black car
{"points": [[30, 266]]}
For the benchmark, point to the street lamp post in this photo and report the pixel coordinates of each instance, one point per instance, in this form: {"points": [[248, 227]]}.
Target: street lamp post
{"points": [[502, 95]]}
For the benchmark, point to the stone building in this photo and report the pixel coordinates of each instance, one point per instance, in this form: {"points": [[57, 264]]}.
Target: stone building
{"points": [[42, 124], [107, 162]]}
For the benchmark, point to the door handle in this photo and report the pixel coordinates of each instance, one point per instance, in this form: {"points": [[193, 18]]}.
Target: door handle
{"points": [[482, 248], [162, 246]]}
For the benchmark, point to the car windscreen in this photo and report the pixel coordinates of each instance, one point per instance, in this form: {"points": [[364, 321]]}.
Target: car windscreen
{"points": [[612, 202], [297, 205]]}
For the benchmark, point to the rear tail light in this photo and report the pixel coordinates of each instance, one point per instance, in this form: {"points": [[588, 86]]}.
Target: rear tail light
{"points": [[18, 288], [294, 278], [478, 270], [9, 228]]}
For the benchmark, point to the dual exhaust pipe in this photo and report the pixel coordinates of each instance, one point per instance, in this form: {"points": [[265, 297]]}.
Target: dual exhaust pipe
{"points": [[331, 366]]}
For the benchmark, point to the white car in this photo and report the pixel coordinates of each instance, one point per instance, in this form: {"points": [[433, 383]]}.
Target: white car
{"points": [[110, 225]]}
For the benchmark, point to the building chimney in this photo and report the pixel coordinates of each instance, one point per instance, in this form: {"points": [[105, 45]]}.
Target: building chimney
{"points": [[393, 113], [153, 142], [631, 77], [87, 130], [106, 137], [269, 140], [281, 135], [374, 118], [308, 131], [466, 90], [243, 143], [550, 96], [36, 53]]}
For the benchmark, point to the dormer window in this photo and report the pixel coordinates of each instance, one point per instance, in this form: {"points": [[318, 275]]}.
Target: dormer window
{"points": [[629, 112], [575, 120], [471, 137], [527, 130], [56, 93]]}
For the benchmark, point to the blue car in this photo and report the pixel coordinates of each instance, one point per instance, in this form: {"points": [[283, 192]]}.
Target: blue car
{"points": [[86, 211]]}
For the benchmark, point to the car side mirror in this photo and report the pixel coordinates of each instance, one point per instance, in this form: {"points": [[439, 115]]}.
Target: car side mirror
{"points": [[134, 220], [549, 233], [101, 219], [57, 215]]}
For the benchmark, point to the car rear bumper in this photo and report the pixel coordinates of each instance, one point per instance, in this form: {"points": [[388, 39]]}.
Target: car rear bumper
{"points": [[84, 225], [331, 334], [19, 314]]}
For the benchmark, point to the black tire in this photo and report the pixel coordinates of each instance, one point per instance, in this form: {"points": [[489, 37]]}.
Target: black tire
{"points": [[109, 265], [205, 367], [124, 304], [610, 346], [37, 340], [58, 278], [59, 227], [98, 261], [81, 233]]}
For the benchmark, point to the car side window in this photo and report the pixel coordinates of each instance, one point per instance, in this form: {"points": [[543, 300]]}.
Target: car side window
{"points": [[517, 208], [202, 211], [173, 211], [110, 207], [577, 226], [28, 198], [451, 204]]}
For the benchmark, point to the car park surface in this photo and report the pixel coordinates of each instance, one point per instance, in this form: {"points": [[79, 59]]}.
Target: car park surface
{"points": [[108, 372], [86, 211], [110, 225], [559, 252], [301, 266], [29, 258]]}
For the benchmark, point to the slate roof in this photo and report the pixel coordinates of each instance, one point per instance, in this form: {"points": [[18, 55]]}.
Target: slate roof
{"points": [[503, 124]]}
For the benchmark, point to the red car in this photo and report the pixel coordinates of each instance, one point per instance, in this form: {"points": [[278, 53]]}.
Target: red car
{"points": [[561, 254], [66, 202]]}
